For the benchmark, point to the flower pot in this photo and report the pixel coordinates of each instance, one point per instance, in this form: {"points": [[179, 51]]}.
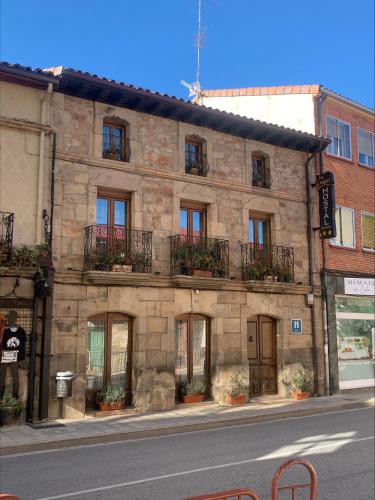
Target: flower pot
{"points": [[8, 417], [268, 279], [238, 400], [194, 171], [298, 395], [195, 398], [112, 406], [202, 273], [121, 268]]}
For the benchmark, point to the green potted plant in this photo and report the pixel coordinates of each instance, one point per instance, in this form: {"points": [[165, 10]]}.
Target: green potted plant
{"points": [[24, 256], [238, 390], [11, 410], [202, 265], [111, 397], [298, 384], [121, 263], [193, 392], [4, 252]]}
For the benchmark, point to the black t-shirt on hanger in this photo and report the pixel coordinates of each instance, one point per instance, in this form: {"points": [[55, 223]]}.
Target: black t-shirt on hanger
{"points": [[15, 341]]}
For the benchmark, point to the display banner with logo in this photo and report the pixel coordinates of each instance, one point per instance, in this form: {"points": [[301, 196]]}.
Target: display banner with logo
{"points": [[327, 205], [359, 286]]}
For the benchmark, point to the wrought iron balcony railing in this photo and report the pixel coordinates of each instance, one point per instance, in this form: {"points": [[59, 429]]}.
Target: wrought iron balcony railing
{"points": [[6, 237], [262, 177], [197, 167], [120, 152], [109, 248], [261, 262], [199, 256]]}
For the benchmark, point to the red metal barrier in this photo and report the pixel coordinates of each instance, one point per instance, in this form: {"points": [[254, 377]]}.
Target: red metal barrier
{"points": [[8, 496], [313, 485], [239, 494]]}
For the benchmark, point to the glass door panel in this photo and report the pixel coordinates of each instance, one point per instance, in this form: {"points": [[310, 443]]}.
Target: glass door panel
{"points": [[198, 223], [95, 355], [251, 231], [183, 222], [199, 349], [102, 211], [119, 213], [181, 343], [119, 352]]}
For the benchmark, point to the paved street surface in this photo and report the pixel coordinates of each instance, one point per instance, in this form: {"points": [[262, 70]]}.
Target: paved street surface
{"points": [[340, 445]]}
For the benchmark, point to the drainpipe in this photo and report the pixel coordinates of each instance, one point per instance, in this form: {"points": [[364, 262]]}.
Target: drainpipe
{"points": [[47, 96], [45, 358], [311, 270], [323, 276]]}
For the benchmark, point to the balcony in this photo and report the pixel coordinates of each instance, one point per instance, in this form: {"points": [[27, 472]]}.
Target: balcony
{"points": [[269, 263], [199, 256], [197, 167], [116, 248], [6, 237], [262, 176], [120, 152]]}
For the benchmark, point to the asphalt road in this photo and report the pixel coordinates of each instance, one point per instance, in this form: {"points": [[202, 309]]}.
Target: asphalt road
{"points": [[340, 445]]}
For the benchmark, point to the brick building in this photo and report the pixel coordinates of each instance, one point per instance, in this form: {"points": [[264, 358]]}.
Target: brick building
{"points": [[175, 259], [347, 262]]}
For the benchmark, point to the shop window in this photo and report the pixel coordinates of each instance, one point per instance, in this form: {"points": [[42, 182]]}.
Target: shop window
{"points": [[108, 354], [192, 351], [345, 233], [261, 175], [366, 148], [116, 143], [193, 220], [340, 134], [368, 231], [195, 156]]}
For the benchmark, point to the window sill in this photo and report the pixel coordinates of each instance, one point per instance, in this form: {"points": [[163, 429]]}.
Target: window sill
{"points": [[369, 167], [368, 250], [342, 247], [343, 158]]}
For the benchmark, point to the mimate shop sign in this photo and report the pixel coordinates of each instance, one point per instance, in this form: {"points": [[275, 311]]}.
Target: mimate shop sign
{"points": [[325, 185]]}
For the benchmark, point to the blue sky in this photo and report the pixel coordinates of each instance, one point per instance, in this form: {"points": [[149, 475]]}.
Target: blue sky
{"points": [[150, 42]]}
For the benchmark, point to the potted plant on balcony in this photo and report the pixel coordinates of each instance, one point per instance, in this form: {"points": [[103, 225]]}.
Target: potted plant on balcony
{"points": [[121, 263], [11, 410], [299, 384], [202, 265], [238, 390], [192, 392], [4, 252], [24, 256], [111, 397], [113, 152]]}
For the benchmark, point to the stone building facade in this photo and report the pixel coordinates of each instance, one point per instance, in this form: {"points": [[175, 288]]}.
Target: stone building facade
{"points": [[347, 261], [165, 319]]}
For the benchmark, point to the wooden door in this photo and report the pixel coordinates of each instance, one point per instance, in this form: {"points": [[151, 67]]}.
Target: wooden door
{"points": [[261, 352]]}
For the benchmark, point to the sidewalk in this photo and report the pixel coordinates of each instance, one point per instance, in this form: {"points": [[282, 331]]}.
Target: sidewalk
{"points": [[93, 430]]}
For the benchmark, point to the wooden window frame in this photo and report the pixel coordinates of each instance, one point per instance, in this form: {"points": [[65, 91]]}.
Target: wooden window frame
{"points": [[191, 207], [116, 123], [190, 375], [108, 318], [194, 142], [257, 216], [113, 195]]}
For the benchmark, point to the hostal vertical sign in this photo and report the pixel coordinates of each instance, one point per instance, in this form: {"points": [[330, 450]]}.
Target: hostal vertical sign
{"points": [[325, 184]]}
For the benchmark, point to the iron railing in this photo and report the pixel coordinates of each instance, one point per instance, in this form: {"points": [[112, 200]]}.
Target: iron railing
{"points": [[262, 176], [110, 246], [6, 237], [197, 167], [260, 262], [199, 256], [121, 152]]}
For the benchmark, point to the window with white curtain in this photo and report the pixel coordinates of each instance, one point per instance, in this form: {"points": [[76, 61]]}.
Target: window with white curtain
{"points": [[340, 134], [345, 233], [366, 148], [368, 231]]}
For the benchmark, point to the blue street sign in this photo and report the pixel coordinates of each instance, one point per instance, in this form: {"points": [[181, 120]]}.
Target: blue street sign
{"points": [[296, 326]]}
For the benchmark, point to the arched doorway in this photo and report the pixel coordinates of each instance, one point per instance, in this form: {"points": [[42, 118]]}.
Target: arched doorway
{"points": [[261, 352], [108, 354], [192, 351]]}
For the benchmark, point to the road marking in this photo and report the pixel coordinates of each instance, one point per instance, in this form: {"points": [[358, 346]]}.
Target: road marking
{"points": [[176, 474], [176, 434]]}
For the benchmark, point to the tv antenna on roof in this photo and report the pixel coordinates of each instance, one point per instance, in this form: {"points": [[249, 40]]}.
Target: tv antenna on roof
{"points": [[195, 88]]}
